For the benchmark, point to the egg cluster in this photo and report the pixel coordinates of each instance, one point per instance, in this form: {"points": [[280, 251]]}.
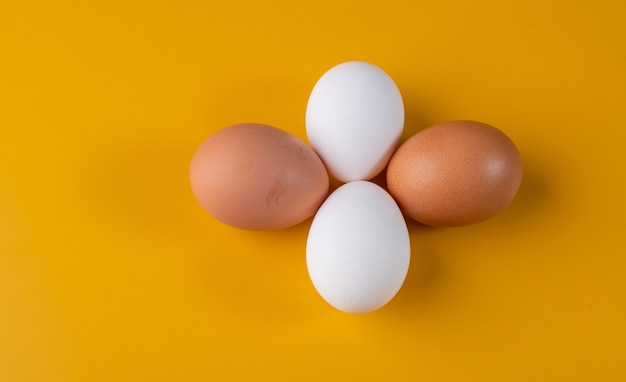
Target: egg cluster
{"points": [[254, 176]]}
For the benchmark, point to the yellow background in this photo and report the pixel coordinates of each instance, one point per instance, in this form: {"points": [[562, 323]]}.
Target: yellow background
{"points": [[110, 270]]}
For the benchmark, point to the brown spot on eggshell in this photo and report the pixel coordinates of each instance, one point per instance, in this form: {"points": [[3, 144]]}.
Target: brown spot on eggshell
{"points": [[455, 173], [278, 189]]}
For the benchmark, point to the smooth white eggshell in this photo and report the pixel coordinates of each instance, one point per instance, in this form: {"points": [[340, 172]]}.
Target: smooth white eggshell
{"points": [[358, 248], [354, 120]]}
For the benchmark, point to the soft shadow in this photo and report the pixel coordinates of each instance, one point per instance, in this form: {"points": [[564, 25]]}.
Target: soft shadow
{"points": [[424, 276], [144, 186], [381, 179], [257, 274], [534, 196], [416, 118], [535, 188]]}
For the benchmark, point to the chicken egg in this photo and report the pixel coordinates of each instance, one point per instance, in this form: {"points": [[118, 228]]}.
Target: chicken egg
{"points": [[354, 119], [258, 177], [358, 248], [455, 173]]}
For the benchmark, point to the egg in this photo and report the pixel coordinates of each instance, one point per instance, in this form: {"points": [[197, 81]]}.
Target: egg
{"points": [[354, 120], [455, 173], [258, 177], [358, 249]]}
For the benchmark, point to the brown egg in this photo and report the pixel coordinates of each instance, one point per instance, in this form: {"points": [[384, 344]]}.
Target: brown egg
{"points": [[254, 176], [455, 173]]}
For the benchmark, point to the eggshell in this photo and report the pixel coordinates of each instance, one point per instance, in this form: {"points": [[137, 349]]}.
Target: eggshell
{"points": [[255, 176], [358, 248], [354, 119], [455, 173]]}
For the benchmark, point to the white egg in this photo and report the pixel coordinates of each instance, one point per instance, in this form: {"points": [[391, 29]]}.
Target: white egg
{"points": [[354, 119], [358, 248]]}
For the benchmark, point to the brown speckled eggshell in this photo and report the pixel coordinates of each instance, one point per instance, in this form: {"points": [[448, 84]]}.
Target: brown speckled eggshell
{"points": [[455, 173], [257, 177]]}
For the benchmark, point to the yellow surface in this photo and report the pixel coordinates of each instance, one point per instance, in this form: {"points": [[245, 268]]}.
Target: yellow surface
{"points": [[110, 270]]}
